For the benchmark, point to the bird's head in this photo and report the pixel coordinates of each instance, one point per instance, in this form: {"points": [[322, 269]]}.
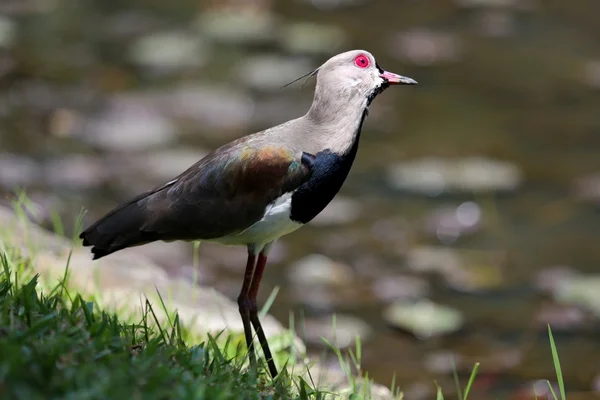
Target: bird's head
{"points": [[356, 72]]}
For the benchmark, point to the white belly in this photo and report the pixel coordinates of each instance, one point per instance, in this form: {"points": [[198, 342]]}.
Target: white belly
{"points": [[275, 223]]}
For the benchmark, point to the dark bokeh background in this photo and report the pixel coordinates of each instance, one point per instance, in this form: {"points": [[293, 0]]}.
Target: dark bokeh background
{"points": [[470, 219]]}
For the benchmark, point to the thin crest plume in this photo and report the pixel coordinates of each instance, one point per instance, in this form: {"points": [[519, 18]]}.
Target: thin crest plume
{"points": [[307, 76]]}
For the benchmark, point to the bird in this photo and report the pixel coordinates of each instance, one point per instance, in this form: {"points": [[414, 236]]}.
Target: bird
{"points": [[260, 187]]}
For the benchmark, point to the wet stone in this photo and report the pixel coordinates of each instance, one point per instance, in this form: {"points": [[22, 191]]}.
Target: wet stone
{"points": [[211, 107], [169, 51], [8, 30], [430, 259], [549, 279], [476, 276], [592, 74], [128, 127], [275, 109], [312, 38], [498, 4], [424, 319], [434, 176], [17, 171], [166, 164], [271, 72], [587, 188], [583, 291], [495, 23], [340, 211], [238, 26], [76, 171], [449, 223], [330, 5], [442, 362], [426, 47], [394, 288], [340, 330], [128, 24], [317, 269], [560, 317]]}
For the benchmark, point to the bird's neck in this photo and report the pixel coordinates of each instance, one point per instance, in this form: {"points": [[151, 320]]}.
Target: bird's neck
{"points": [[336, 117]]}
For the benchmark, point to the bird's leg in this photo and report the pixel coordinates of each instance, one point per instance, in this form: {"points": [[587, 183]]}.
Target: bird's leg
{"points": [[245, 304], [258, 271]]}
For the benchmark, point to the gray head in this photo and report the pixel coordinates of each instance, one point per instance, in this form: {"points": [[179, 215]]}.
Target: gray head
{"points": [[356, 73], [348, 82]]}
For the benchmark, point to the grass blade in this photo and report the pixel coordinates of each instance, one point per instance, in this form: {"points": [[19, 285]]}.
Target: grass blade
{"points": [[471, 380], [459, 392], [559, 375]]}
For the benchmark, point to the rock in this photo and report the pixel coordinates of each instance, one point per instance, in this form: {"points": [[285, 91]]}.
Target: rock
{"points": [[592, 74], [449, 223], [476, 276], [426, 47], [587, 188], [168, 51], [330, 378], [64, 122], [394, 288], [434, 176], [424, 319], [76, 171], [312, 38], [339, 330], [537, 390], [496, 23], [549, 279], [330, 5], [278, 108], [125, 127], [212, 107], [442, 362], [498, 4], [202, 310], [583, 291], [428, 259], [317, 269], [470, 272], [340, 211], [7, 64], [238, 26], [8, 30], [271, 72], [392, 231], [560, 317], [17, 171], [170, 256], [166, 164], [128, 24], [215, 109]]}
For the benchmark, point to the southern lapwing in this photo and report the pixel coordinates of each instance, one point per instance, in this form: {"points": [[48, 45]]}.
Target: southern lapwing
{"points": [[260, 187]]}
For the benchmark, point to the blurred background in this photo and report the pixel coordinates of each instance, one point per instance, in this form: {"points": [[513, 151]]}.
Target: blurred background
{"points": [[470, 220]]}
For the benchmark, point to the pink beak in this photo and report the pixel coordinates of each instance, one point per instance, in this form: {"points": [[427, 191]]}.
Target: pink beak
{"points": [[395, 79]]}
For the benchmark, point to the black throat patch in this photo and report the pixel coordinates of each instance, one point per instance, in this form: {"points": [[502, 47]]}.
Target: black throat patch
{"points": [[329, 171]]}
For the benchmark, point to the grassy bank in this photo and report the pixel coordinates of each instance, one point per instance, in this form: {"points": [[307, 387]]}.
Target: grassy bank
{"points": [[57, 344], [54, 343]]}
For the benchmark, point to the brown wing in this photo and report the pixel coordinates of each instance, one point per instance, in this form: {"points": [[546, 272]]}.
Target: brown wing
{"points": [[222, 194]]}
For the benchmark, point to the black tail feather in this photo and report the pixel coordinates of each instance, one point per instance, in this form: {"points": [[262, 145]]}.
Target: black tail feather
{"points": [[119, 229]]}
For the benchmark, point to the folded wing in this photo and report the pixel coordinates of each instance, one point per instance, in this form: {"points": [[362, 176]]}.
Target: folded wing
{"points": [[222, 194]]}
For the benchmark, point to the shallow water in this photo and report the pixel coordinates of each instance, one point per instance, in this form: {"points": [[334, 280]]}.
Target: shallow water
{"points": [[511, 81]]}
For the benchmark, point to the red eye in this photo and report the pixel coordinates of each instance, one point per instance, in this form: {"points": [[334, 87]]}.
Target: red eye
{"points": [[361, 61]]}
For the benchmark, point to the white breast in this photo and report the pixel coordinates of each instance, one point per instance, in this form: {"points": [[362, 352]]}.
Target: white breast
{"points": [[275, 223]]}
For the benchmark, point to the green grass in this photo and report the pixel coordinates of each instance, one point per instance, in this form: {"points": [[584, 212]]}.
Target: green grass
{"points": [[57, 344]]}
